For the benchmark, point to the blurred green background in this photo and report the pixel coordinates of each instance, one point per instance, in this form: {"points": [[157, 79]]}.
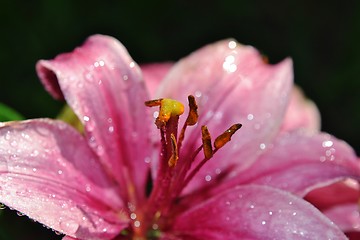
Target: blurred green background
{"points": [[322, 37]]}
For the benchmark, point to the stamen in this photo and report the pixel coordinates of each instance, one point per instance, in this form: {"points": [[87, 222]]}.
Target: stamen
{"points": [[174, 156], [191, 120], [206, 139], [224, 138], [193, 114]]}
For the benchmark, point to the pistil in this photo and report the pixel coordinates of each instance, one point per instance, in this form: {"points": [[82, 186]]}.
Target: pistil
{"points": [[175, 171]]}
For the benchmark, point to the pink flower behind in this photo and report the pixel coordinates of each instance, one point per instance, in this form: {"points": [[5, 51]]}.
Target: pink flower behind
{"points": [[121, 179]]}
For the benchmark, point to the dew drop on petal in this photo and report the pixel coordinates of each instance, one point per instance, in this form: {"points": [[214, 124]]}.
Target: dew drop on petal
{"points": [[7, 136], [137, 223], [208, 178], [262, 146], [87, 188], [13, 143], [133, 216], [250, 116], [327, 143], [232, 44], [198, 94], [69, 226]]}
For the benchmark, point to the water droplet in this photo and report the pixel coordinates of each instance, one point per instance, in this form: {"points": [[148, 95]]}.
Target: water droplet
{"points": [[86, 118], [111, 129], [104, 230], [147, 160], [125, 77], [7, 136], [270, 213], [232, 44], [208, 178], [133, 216], [263, 222], [229, 64], [227, 203], [262, 146], [69, 226], [87, 188], [13, 143], [137, 223], [198, 94], [20, 214], [155, 226], [252, 206], [34, 153], [132, 64], [60, 172], [34, 169], [327, 143], [250, 116]]}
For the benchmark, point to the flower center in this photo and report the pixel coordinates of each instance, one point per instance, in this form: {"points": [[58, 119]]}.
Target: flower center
{"points": [[174, 172]]}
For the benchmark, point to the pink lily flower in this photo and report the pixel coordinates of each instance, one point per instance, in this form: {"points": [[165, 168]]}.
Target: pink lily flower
{"points": [[122, 179]]}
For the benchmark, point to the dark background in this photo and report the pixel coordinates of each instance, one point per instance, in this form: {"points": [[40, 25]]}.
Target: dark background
{"points": [[322, 37]]}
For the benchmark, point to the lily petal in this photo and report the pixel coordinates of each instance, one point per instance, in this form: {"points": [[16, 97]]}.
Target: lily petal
{"points": [[232, 84], [48, 172], [346, 216], [104, 87], [301, 113], [153, 74], [254, 212], [299, 162]]}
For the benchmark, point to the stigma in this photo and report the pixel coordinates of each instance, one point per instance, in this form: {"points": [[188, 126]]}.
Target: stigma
{"points": [[168, 108]]}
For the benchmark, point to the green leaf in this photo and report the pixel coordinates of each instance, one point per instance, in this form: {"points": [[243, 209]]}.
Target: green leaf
{"points": [[8, 114]]}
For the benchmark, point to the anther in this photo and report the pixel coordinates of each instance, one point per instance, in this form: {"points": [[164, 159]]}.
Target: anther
{"points": [[206, 139], [174, 152], [193, 114], [225, 137]]}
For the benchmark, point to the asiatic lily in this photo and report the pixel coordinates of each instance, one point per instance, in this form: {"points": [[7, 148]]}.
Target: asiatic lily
{"points": [[122, 179]]}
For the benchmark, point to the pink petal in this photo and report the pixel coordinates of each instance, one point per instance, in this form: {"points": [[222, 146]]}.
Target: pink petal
{"points": [[231, 85], [344, 192], [153, 74], [301, 113], [104, 86], [339, 202], [48, 172], [346, 216], [254, 212], [299, 162], [68, 238]]}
